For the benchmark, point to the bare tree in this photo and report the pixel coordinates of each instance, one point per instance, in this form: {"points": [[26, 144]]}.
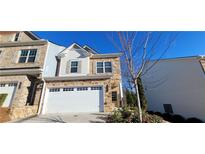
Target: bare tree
{"points": [[138, 49]]}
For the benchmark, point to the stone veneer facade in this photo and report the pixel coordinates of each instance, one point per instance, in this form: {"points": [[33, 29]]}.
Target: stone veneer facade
{"points": [[9, 60], [203, 63], [109, 85], [10, 55], [19, 109]]}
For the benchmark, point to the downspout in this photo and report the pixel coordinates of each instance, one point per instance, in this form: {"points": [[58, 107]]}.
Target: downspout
{"points": [[121, 94], [40, 108]]}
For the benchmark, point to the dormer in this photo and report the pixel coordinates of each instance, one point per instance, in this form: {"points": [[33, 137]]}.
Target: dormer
{"points": [[73, 61]]}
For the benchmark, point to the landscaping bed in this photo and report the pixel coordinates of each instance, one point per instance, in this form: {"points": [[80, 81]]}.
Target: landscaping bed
{"points": [[175, 118], [130, 115]]}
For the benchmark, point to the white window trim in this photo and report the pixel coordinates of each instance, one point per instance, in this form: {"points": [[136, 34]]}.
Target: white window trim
{"points": [[27, 56], [104, 68], [77, 66]]}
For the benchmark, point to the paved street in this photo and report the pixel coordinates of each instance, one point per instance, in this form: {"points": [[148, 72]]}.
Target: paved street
{"points": [[68, 118]]}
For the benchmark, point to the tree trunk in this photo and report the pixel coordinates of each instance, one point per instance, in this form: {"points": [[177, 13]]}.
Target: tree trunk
{"points": [[138, 101]]}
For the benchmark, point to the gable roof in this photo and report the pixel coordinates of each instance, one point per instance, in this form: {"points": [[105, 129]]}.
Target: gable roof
{"points": [[111, 55], [32, 35], [89, 49], [75, 46]]}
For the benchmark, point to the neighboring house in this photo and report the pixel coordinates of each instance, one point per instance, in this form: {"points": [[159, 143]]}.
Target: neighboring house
{"points": [[37, 76], [177, 86]]}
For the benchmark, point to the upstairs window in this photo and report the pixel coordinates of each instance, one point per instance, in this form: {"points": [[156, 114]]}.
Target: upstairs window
{"points": [[100, 68], [74, 67], [104, 67], [27, 56], [108, 67], [16, 37]]}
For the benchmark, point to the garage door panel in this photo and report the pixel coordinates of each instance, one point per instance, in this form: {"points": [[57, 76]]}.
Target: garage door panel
{"points": [[8, 89], [74, 101]]}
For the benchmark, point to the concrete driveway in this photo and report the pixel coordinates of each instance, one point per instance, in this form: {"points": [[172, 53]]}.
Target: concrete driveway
{"points": [[67, 118]]}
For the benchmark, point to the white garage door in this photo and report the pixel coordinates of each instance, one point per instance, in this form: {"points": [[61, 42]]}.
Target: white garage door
{"points": [[74, 99], [8, 90]]}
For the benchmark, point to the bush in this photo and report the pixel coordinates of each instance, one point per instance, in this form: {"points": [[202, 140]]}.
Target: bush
{"points": [[131, 98], [130, 115], [178, 119], [150, 112], [193, 120], [148, 118], [158, 113], [167, 117]]}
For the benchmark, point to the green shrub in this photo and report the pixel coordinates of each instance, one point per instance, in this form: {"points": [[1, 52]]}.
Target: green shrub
{"points": [[2, 98], [193, 120], [132, 98]]}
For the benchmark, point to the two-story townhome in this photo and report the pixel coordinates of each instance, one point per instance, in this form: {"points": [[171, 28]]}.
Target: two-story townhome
{"points": [[22, 64], [84, 81], [37, 76]]}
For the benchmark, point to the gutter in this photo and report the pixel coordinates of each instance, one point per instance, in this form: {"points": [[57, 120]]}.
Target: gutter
{"points": [[113, 55], [21, 72], [71, 78], [17, 44]]}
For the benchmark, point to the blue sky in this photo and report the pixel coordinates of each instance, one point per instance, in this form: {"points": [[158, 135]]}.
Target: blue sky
{"points": [[186, 43]]}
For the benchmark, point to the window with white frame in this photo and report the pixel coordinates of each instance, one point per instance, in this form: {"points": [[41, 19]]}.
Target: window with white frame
{"points": [[27, 56], [82, 88], [104, 67], [2, 85], [96, 88], [12, 84], [68, 89], [17, 36], [74, 67], [100, 68], [54, 90]]}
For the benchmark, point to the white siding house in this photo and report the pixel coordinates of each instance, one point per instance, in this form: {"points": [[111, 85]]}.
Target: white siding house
{"points": [[50, 59], [179, 83]]}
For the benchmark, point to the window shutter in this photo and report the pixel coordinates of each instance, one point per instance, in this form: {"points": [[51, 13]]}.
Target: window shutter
{"points": [[94, 67], [79, 67], [67, 70], [16, 56], [37, 56], [112, 68]]}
